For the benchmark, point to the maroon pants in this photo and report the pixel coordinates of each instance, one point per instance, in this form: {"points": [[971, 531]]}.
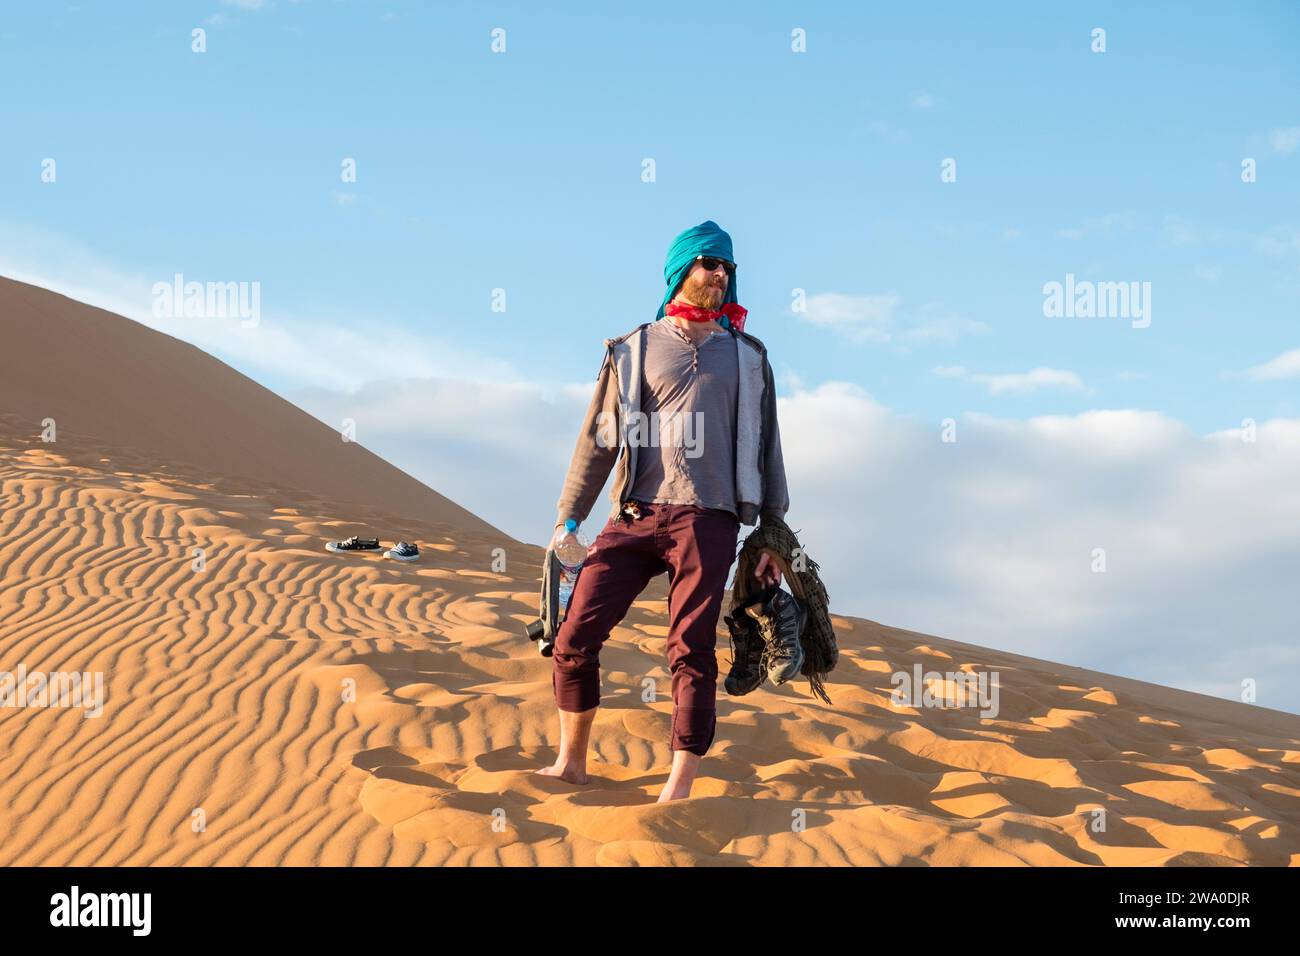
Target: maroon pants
{"points": [[696, 546]]}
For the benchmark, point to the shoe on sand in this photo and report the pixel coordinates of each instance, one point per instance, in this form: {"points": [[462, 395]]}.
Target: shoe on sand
{"points": [[403, 552], [353, 544]]}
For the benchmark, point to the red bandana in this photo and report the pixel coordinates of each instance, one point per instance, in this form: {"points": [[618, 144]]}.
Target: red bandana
{"points": [[693, 313]]}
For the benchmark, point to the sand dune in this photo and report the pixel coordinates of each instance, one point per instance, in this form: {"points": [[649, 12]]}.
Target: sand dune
{"points": [[284, 705], [97, 374]]}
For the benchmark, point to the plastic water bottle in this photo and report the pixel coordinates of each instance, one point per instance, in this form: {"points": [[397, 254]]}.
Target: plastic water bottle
{"points": [[571, 550]]}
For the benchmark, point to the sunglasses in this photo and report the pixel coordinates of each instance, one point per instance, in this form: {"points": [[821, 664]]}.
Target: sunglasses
{"points": [[712, 262]]}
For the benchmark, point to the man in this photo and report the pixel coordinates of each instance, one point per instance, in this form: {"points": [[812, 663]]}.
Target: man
{"points": [[689, 400]]}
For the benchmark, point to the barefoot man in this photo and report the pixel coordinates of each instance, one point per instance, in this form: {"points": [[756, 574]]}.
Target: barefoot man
{"points": [[687, 406]]}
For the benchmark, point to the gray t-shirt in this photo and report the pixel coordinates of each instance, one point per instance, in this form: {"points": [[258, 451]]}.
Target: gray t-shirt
{"points": [[687, 450]]}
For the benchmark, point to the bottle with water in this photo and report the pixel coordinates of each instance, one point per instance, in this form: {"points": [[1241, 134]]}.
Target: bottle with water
{"points": [[570, 549]]}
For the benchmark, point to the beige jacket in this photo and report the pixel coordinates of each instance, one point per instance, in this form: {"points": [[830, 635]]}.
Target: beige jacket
{"points": [[760, 468]]}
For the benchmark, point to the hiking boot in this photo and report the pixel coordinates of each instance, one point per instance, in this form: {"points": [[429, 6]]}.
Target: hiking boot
{"points": [[746, 655], [780, 617]]}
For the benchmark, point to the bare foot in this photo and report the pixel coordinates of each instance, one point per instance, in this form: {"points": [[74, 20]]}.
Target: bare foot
{"points": [[674, 793], [680, 779], [571, 773]]}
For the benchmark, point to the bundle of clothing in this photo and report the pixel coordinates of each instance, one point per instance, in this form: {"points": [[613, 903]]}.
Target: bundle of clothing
{"points": [[800, 573]]}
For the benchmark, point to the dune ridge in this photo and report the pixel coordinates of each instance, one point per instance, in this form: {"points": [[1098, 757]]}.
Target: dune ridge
{"points": [[96, 373]]}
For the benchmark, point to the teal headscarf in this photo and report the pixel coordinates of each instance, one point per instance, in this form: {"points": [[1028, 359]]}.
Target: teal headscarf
{"points": [[706, 239]]}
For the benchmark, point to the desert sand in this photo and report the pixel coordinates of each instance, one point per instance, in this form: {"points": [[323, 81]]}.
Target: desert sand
{"points": [[285, 705]]}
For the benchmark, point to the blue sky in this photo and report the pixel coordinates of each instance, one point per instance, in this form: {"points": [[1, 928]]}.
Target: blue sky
{"points": [[522, 171]]}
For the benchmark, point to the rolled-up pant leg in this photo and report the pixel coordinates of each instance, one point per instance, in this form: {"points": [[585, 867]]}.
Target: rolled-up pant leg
{"points": [[699, 546], [619, 564]]}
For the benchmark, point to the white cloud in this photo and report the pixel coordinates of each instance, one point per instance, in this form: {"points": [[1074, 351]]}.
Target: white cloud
{"points": [[920, 100], [889, 133], [990, 540], [286, 349], [878, 319], [1104, 226], [1181, 232], [1285, 140], [1286, 365], [861, 317], [1279, 241], [933, 324], [1017, 382], [1031, 381]]}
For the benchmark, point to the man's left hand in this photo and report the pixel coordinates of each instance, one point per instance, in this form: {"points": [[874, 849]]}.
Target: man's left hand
{"points": [[768, 570]]}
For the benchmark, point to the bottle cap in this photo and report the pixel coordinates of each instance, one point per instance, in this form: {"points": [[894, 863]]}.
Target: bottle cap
{"points": [[570, 525]]}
